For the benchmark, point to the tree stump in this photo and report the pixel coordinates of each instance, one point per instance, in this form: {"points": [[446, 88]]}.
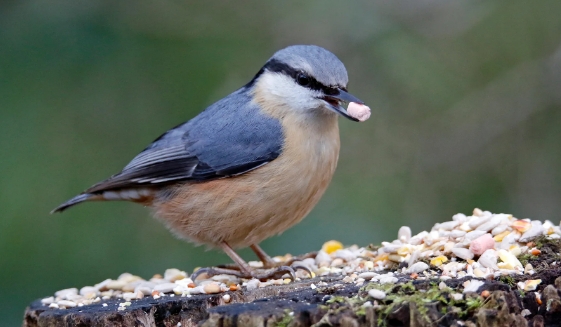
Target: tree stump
{"points": [[409, 302], [365, 287]]}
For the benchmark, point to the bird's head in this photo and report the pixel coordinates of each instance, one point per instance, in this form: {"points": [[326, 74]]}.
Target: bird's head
{"points": [[306, 79]]}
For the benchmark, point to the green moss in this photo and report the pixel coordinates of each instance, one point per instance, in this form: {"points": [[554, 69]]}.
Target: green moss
{"points": [[472, 304], [408, 293], [525, 258], [545, 243], [361, 311], [549, 248], [423, 296], [337, 304], [508, 279], [336, 299], [541, 241], [286, 319], [387, 288], [408, 287]]}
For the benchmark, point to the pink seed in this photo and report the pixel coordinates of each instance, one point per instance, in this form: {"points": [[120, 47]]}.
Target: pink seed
{"points": [[482, 244], [358, 111]]}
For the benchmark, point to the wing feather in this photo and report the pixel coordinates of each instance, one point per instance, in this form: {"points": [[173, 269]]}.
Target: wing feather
{"points": [[229, 138]]}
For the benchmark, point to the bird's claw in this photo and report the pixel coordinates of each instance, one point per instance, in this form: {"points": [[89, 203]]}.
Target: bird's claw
{"points": [[292, 260], [274, 273], [299, 265]]}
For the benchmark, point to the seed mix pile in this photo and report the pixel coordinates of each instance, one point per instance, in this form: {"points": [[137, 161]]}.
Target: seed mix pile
{"points": [[480, 245]]}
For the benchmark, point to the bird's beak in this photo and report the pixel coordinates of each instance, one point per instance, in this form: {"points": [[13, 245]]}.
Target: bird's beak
{"points": [[334, 102]]}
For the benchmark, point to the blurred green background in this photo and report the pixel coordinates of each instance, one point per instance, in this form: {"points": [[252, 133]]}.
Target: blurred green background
{"points": [[466, 100]]}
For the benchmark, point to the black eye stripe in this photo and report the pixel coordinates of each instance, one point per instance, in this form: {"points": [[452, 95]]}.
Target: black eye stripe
{"points": [[280, 67]]}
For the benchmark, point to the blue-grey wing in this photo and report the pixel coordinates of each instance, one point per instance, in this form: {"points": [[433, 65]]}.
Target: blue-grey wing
{"points": [[229, 138]]}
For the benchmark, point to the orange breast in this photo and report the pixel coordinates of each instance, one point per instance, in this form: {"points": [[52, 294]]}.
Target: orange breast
{"points": [[249, 208]]}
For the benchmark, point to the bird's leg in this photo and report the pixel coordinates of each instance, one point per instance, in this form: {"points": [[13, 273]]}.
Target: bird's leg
{"points": [[244, 270], [244, 267], [268, 262]]}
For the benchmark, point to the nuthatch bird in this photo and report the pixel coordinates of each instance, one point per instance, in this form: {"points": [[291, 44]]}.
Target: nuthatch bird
{"points": [[249, 166]]}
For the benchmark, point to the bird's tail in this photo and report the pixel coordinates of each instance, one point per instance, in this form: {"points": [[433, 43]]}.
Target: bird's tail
{"points": [[139, 195], [75, 200]]}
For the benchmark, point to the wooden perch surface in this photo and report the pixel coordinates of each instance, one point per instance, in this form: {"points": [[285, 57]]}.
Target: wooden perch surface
{"points": [[480, 270], [407, 303]]}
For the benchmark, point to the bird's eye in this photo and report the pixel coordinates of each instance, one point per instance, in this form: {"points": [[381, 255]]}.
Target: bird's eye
{"points": [[303, 80]]}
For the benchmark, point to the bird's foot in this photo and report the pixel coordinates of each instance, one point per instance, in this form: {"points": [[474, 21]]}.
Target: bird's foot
{"points": [[261, 274], [297, 260], [297, 263], [270, 270]]}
